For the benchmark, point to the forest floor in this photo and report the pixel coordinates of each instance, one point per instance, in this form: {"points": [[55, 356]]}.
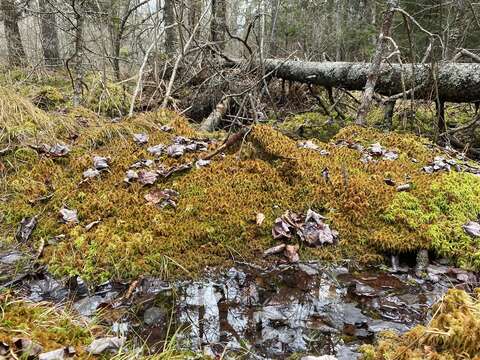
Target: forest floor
{"points": [[94, 209]]}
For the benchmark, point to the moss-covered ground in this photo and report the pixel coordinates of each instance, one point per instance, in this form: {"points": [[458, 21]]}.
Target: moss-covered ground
{"points": [[46, 325], [453, 333], [214, 222]]}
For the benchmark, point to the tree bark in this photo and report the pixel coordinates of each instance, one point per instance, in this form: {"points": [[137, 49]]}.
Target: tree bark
{"points": [[171, 31], [457, 82], [16, 52], [273, 28], [373, 74], [194, 11], [79, 52], [49, 31], [219, 23]]}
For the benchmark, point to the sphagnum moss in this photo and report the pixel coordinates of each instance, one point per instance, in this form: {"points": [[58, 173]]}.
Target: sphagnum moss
{"points": [[214, 222]]}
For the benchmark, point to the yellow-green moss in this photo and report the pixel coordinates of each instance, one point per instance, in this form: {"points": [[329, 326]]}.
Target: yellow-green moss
{"points": [[48, 98], [107, 98], [453, 333], [49, 326], [214, 222], [436, 215]]}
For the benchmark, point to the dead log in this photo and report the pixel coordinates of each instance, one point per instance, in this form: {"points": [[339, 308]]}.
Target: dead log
{"points": [[457, 82]]}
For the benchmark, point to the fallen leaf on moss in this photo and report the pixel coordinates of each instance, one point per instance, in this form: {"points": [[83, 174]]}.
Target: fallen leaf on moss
{"points": [[156, 150], [389, 182], [308, 145], [166, 128], [147, 177], [176, 150], [472, 228], [315, 232], [291, 253], [260, 218], [57, 150], [202, 163], [274, 250], [140, 139], [91, 173], [58, 354], [376, 149], [390, 155], [145, 163], [69, 216], [92, 224], [99, 346], [100, 162], [163, 171], [404, 187], [27, 347], [25, 229], [130, 176], [162, 198]]}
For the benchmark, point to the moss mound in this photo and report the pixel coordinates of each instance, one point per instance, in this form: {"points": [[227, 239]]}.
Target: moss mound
{"points": [[214, 222], [453, 333], [48, 326]]}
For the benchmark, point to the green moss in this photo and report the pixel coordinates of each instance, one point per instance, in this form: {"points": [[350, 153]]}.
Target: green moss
{"points": [[48, 98], [437, 213], [311, 125]]}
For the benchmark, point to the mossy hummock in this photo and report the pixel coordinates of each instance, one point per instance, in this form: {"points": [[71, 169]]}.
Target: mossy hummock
{"points": [[214, 221]]}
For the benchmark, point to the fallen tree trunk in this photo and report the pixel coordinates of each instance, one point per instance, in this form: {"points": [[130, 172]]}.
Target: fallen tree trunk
{"points": [[457, 82]]}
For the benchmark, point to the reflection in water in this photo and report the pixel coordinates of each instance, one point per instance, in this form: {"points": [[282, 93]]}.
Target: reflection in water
{"points": [[306, 309]]}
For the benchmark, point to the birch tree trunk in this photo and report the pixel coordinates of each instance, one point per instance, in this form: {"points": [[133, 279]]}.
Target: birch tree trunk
{"points": [[16, 52], [49, 32]]}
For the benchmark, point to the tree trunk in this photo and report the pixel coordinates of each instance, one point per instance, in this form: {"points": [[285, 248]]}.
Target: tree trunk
{"points": [[219, 23], [16, 52], [115, 36], [48, 27], [273, 28], [376, 63], [194, 11], [79, 53], [338, 29], [171, 31], [457, 82]]}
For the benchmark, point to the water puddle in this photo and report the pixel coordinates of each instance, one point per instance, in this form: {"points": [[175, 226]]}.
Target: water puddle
{"points": [[262, 314]]}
